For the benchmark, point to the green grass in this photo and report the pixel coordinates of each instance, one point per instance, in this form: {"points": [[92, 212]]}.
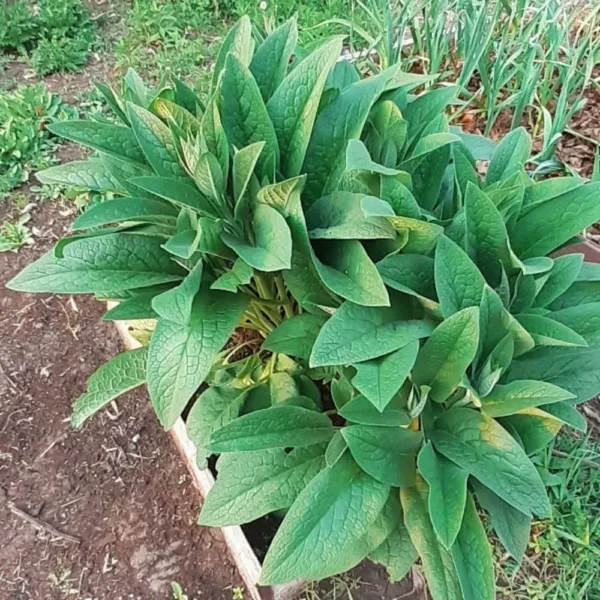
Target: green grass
{"points": [[180, 37], [169, 38], [564, 554], [59, 35], [532, 58]]}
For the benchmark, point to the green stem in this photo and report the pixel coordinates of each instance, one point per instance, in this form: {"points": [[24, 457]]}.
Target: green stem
{"points": [[283, 296], [254, 315], [263, 285]]}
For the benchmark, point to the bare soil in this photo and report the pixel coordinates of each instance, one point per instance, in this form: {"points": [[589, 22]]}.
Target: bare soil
{"points": [[118, 485], [578, 145]]}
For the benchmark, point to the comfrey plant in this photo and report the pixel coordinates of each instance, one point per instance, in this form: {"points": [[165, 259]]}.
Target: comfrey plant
{"points": [[420, 337]]}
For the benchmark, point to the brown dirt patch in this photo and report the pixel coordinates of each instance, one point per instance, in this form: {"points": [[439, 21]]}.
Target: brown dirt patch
{"points": [[118, 485], [578, 152]]}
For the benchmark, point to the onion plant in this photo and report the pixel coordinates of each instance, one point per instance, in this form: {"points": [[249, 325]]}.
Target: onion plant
{"points": [[536, 54]]}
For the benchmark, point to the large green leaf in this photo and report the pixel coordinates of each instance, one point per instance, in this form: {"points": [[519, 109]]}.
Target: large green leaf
{"points": [[295, 336], [546, 189], [210, 239], [384, 525], [359, 159], [270, 62], [464, 169], [181, 356], [240, 274], [156, 141], [347, 270], [208, 176], [444, 358], [568, 414], [386, 453], [343, 215], [335, 449], [472, 556], [494, 322], [358, 333], [134, 88], [237, 42], [214, 137], [447, 493], [549, 225], [584, 290], [340, 121], [137, 210], [123, 172], [534, 428], [138, 306], [479, 146], [284, 426], [380, 379], [114, 102], [293, 106], [583, 320], [486, 236], [214, 408], [244, 114], [410, 274], [399, 197], [425, 108], [564, 272], [548, 332], [509, 157], [272, 248], [511, 525], [175, 191], [397, 553], [302, 278], [483, 448], [438, 566], [426, 146], [89, 174], [253, 484], [507, 399], [458, 281], [244, 162], [100, 264], [574, 369], [119, 375], [111, 139], [176, 304], [360, 411], [310, 544], [176, 116], [422, 235], [342, 75]]}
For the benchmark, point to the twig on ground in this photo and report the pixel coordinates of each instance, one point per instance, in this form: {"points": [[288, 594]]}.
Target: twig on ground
{"points": [[59, 439], [41, 525], [6, 376]]}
